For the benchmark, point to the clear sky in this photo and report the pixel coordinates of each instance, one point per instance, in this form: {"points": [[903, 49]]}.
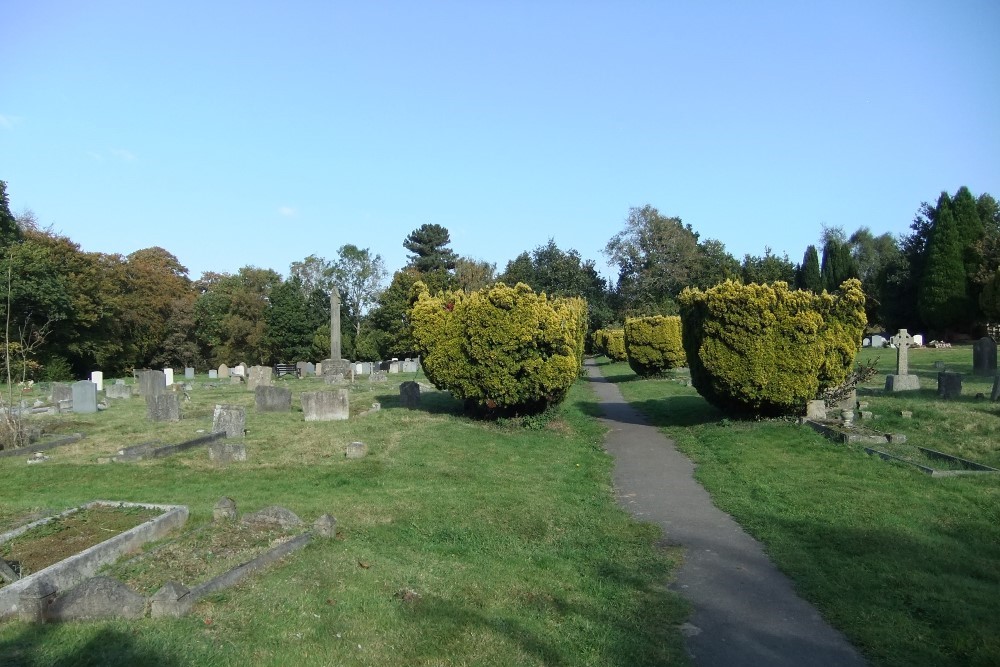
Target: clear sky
{"points": [[257, 133]]}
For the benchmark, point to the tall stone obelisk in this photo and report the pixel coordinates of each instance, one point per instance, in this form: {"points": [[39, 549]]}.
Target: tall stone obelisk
{"points": [[335, 324]]}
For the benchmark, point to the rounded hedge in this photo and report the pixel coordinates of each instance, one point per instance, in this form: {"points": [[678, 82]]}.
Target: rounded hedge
{"points": [[765, 349], [504, 349], [654, 344], [611, 343]]}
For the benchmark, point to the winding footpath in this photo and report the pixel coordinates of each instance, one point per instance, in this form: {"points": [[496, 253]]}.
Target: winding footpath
{"points": [[744, 611]]}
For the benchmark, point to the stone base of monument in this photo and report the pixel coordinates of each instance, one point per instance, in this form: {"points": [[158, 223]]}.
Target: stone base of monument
{"points": [[340, 367], [901, 382]]}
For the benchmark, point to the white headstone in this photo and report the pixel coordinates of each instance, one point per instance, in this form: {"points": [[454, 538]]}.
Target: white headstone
{"points": [[878, 341], [97, 377], [213, 374], [168, 373], [918, 339]]}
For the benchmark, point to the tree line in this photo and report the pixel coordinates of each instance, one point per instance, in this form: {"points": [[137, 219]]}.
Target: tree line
{"points": [[68, 311]]}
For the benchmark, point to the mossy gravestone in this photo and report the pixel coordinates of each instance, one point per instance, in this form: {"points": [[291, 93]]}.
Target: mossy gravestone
{"points": [[273, 399]]}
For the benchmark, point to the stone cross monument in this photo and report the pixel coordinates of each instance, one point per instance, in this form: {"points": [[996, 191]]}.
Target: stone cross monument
{"points": [[902, 380], [335, 324]]}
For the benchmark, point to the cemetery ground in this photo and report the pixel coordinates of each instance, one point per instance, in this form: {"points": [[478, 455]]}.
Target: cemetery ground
{"points": [[459, 542], [906, 565]]}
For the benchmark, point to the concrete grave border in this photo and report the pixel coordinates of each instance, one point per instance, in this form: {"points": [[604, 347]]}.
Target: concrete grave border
{"points": [[41, 447]]}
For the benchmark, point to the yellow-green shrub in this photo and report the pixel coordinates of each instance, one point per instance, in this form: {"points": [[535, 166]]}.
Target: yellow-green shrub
{"points": [[611, 343], [766, 349], [653, 344], [505, 349]]}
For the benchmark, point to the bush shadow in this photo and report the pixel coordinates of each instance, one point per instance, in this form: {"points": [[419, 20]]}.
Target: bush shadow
{"points": [[108, 647]]}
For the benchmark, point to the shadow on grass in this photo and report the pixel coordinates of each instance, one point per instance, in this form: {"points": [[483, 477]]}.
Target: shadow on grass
{"points": [[661, 413], [37, 645], [431, 402]]}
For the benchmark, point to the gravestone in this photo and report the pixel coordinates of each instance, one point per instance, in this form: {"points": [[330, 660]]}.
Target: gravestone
{"points": [[164, 407], [410, 366], [118, 391], [984, 357], [225, 453], [223, 372], [300, 366], [918, 340], [213, 374], [61, 392], [168, 375], [867, 342], [224, 510], [273, 399], [409, 395], [238, 370], [188, 373], [273, 516], [902, 380], [995, 393], [394, 366], [319, 368], [379, 376], [816, 409], [259, 376], [949, 385], [98, 598], [310, 369], [325, 526], [325, 405], [356, 450], [230, 419], [97, 377], [84, 397], [333, 378], [878, 341], [235, 379]]}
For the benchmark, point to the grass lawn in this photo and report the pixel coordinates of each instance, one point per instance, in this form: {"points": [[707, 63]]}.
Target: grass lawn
{"points": [[460, 543], [908, 566]]}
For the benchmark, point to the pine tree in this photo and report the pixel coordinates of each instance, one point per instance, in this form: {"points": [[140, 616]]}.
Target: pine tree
{"points": [[808, 276], [838, 264], [943, 296]]}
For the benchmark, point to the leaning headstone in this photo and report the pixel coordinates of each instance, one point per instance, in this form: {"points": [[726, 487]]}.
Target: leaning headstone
{"points": [[118, 391], [98, 597], [356, 450], [225, 453], [168, 376], [84, 397], [188, 373], [231, 419], [213, 374], [949, 385], [984, 357], [273, 516], [878, 341], [97, 377], [61, 392], [224, 510], [223, 371], [237, 370], [902, 380], [164, 408], [409, 395], [273, 399], [325, 405], [259, 376]]}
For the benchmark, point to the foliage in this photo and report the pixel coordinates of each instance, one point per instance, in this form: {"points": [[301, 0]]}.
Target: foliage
{"points": [[838, 264], [767, 269], [943, 292], [232, 314], [473, 274], [428, 243], [290, 328], [611, 343], [391, 317], [765, 349], [56, 369], [654, 344], [358, 274], [10, 232], [807, 274], [504, 349]]}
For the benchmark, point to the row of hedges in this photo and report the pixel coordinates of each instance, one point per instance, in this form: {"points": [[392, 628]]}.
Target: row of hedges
{"points": [[610, 343], [654, 344], [505, 350], [766, 349]]}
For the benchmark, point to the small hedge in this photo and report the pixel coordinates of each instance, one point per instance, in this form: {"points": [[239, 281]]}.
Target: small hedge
{"points": [[611, 343], [765, 349], [654, 344], [506, 350]]}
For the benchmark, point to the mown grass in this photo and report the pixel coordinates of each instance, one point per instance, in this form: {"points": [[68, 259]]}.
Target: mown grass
{"points": [[460, 542], [906, 565]]}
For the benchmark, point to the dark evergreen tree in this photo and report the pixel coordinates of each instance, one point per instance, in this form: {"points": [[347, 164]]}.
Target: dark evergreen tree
{"points": [[9, 231], [943, 296], [808, 276], [429, 245], [838, 264]]}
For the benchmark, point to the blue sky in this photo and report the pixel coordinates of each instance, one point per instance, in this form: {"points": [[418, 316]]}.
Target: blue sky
{"points": [[257, 133]]}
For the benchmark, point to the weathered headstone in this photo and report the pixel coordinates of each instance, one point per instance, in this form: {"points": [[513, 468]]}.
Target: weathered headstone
{"points": [[325, 526], [410, 365], [319, 368], [168, 376], [984, 357], [301, 366], [816, 410], [356, 450], [333, 378], [902, 380], [84, 397], [118, 391], [188, 373], [172, 600], [394, 366], [409, 395], [213, 374], [273, 399], [310, 369], [274, 515], [949, 385], [379, 376], [235, 379], [223, 372], [878, 341], [95, 598], [259, 376], [335, 324], [225, 453], [231, 419], [325, 405], [97, 377], [164, 407], [224, 510], [61, 392]]}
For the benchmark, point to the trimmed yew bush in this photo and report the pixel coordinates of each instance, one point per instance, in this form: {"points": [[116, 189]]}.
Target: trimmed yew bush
{"points": [[654, 344], [504, 349], [766, 349], [611, 343]]}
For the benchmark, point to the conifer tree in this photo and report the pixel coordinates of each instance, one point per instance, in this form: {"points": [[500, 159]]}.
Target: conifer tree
{"points": [[943, 297], [808, 276], [838, 264]]}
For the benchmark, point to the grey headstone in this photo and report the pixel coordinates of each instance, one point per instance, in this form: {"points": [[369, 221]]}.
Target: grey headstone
{"points": [[325, 526], [410, 366], [34, 601], [188, 373], [99, 597], [152, 383], [356, 450], [235, 379], [310, 369], [409, 395], [231, 419], [259, 376], [326, 405], [224, 510], [984, 357], [902, 382], [995, 394], [213, 374], [848, 402], [273, 516], [949, 385], [223, 371], [172, 600], [61, 392], [394, 366], [816, 410], [118, 391], [273, 399], [379, 376], [164, 408], [84, 397], [226, 452]]}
